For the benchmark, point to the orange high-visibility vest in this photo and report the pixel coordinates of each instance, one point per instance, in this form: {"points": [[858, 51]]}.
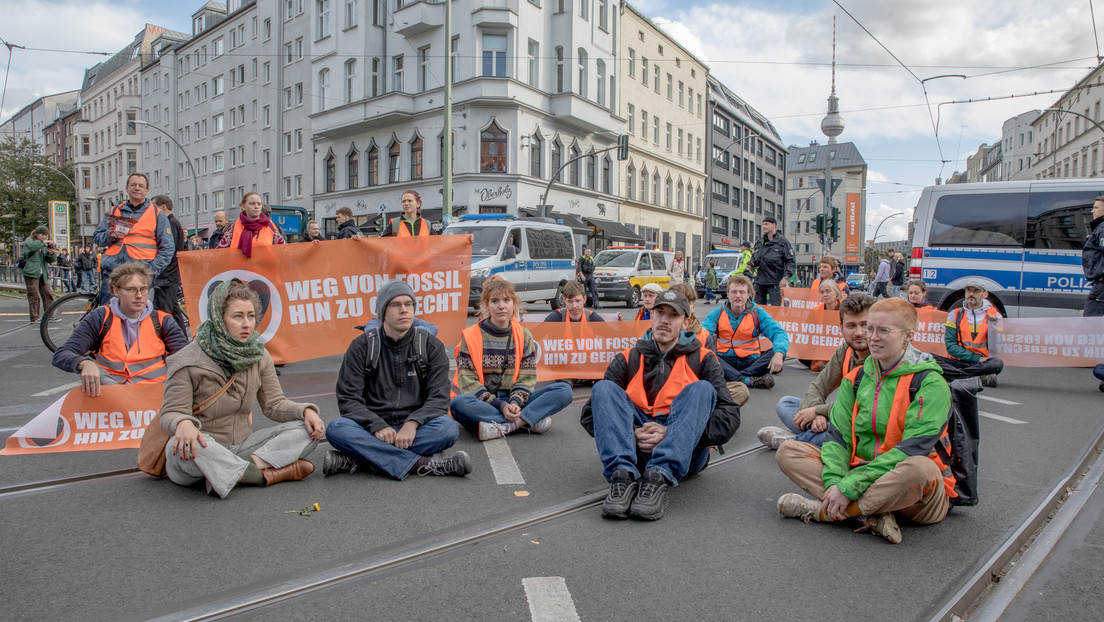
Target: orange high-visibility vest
{"points": [[847, 362], [895, 428], [264, 237], [473, 337], [743, 340], [143, 362], [703, 338], [977, 343], [402, 232], [141, 241], [680, 377]]}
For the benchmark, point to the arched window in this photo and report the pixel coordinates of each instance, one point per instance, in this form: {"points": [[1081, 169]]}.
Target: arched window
{"points": [[330, 172], [373, 166], [574, 159], [557, 159], [416, 158], [655, 188], [644, 184], [323, 88], [582, 73], [607, 175], [350, 81], [492, 150], [679, 195], [591, 172], [600, 71], [630, 181], [393, 162], [535, 153], [352, 166], [667, 192]]}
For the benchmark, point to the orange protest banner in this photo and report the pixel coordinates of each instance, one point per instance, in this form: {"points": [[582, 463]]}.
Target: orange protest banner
{"points": [[815, 333], [1048, 342], [799, 298], [116, 419], [314, 294], [576, 350]]}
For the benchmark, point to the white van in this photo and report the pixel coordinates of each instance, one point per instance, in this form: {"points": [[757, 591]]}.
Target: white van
{"points": [[536, 255], [621, 271], [1023, 238]]}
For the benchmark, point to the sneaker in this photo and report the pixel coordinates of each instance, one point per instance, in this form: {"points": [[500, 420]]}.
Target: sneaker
{"points": [[335, 462], [652, 500], [541, 426], [773, 436], [793, 505], [493, 429], [884, 525], [765, 381], [457, 463], [989, 381], [623, 488]]}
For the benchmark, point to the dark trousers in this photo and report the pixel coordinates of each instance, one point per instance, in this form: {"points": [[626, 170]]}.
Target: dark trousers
{"points": [[1094, 304], [166, 298], [769, 291], [954, 369], [881, 289], [741, 369], [592, 290], [39, 295]]}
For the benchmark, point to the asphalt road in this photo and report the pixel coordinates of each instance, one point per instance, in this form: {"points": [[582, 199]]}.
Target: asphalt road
{"points": [[131, 547]]}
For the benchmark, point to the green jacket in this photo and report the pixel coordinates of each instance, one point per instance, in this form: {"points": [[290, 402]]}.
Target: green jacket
{"points": [[711, 278], [37, 257], [924, 422]]}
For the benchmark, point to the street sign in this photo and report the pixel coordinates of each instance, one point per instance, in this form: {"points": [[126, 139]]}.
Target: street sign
{"points": [[835, 184], [59, 223], [289, 223]]}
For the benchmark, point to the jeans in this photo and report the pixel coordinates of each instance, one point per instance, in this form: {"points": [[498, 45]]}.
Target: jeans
{"points": [[352, 439], [709, 295], [955, 369], [880, 289], [772, 291], [740, 369], [546, 401], [677, 455], [787, 407], [592, 290], [87, 280], [896, 291]]}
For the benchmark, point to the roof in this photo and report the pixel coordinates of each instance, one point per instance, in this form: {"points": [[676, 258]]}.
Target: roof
{"points": [[101, 71], [726, 96], [813, 157]]}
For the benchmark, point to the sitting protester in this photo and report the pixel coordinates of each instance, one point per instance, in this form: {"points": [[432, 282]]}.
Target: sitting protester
{"points": [[737, 325], [575, 296], [659, 408], [212, 387], [125, 342], [830, 296], [879, 456], [392, 392], [967, 338], [648, 295], [496, 372], [918, 295], [806, 420]]}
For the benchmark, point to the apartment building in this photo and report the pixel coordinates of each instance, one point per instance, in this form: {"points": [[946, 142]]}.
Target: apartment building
{"points": [[806, 166], [1017, 145], [1066, 144]]}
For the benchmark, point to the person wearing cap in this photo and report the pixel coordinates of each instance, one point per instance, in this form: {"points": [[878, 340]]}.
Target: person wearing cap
{"points": [[656, 412], [648, 295], [966, 336], [774, 263], [744, 265], [393, 395], [737, 325]]}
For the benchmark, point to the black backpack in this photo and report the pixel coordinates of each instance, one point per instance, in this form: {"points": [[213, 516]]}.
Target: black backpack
{"points": [[421, 350], [963, 432]]}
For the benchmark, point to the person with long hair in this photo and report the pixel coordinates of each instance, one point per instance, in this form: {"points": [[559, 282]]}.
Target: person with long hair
{"points": [[411, 224], [918, 295], [253, 227], [212, 386], [496, 372]]}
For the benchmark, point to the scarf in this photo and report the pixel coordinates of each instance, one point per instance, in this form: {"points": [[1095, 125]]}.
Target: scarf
{"points": [[216, 342], [250, 228], [130, 327]]}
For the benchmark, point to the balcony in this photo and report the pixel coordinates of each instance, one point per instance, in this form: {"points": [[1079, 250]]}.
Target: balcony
{"points": [[417, 16], [502, 13]]}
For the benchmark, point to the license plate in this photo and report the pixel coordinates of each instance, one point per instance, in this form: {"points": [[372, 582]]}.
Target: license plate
{"points": [[929, 274]]}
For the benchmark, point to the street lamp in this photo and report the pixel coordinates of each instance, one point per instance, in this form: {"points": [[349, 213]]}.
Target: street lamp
{"points": [[874, 239], [195, 180]]}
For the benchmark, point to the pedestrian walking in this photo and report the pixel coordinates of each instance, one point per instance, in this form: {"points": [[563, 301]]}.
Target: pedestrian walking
{"points": [[38, 253]]}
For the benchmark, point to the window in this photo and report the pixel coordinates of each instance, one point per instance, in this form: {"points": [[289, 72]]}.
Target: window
{"points": [[680, 93], [600, 70], [680, 135], [267, 73], [632, 63], [574, 159], [377, 13], [492, 150], [632, 120], [644, 124], [131, 117], [535, 153], [350, 14], [330, 172], [603, 15], [655, 130], [350, 81], [557, 159], [217, 86], [655, 74], [266, 159], [494, 55], [670, 89], [591, 172], [299, 94], [582, 73], [644, 184], [455, 53], [559, 69], [534, 60], [217, 47], [549, 244], [667, 193], [375, 76], [288, 99], [373, 166], [423, 68], [298, 140], [630, 181], [678, 195], [644, 70], [323, 24], [289, 54], [607, 174], [396, 82], [217, 162], [393, 162], [267, 29], [655, 188], [323, 88], [668, 137], [416, 158], [218, 120], [299, 48]]}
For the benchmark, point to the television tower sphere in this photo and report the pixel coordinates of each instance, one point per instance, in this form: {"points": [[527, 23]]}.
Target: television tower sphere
{"points": [[832, 125]]}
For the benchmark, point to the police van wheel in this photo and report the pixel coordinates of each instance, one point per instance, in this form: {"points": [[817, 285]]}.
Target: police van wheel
{"points": [[634, 298], [558, 300]]}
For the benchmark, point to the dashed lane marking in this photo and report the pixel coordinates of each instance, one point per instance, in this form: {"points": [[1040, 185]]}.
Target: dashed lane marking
{"points": [[54, 391], [505, 468], [999, 417], [549, 599], [998, 400]]}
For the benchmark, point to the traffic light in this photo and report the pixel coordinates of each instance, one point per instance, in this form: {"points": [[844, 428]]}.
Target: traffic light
{"points": [[623, 147], [820, 224], [833, 223]]}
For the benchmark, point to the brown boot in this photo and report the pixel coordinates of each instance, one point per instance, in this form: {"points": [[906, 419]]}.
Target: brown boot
{"points": [[295, 471]]}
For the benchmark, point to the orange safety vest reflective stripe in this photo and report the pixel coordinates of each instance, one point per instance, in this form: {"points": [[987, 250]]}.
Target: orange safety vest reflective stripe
{"points": [[895, 428], [403, 232], [743, 340], [143, 362], [681, 375], [976, 343], [473, 337], [141, 241], [264, 237]]}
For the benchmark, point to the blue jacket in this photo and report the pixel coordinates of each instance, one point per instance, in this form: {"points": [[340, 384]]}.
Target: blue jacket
{"points": [[767, 326]]}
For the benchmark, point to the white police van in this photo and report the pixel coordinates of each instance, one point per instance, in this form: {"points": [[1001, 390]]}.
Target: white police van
{"points": [[724, 262], [1022, 238], [537, 255]]}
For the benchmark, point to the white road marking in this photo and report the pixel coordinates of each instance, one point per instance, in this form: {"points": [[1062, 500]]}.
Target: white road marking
{"points": [[998, 400], [54, 391], [549, 600], [6, 430], [505, 468], [999, 417]]}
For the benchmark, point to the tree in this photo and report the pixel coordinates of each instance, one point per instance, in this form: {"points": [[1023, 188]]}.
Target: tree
{"points": [[26, 188]]}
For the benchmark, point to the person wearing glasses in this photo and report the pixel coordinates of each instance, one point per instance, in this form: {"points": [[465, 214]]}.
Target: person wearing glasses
{"points": [[125, 341], [133, 230]]}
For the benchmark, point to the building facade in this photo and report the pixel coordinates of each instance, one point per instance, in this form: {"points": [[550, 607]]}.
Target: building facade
{"points": [[33, 119], [1068, 145], [806, 166], [747, 171], [1017, 145]]}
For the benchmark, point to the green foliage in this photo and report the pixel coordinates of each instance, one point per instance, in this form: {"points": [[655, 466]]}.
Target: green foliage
{"points": [[26, 188]]}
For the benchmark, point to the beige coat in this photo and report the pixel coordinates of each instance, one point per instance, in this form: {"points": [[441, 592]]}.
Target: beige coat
{"points": [[193, 377]]}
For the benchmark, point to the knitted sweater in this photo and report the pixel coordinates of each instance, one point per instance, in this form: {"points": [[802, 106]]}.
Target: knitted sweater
{"points": [[499, 361]]}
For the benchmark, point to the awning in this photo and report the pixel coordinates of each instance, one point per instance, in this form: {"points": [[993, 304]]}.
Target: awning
{"points": [[614, 230], [192, 232], [576, 225]]}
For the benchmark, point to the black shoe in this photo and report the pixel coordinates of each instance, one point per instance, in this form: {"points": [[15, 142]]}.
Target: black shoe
{"points": [[651, 501], [623, 487], [458, 464], [335, 462], [1102, 386], [761, 382], [989, 380]]}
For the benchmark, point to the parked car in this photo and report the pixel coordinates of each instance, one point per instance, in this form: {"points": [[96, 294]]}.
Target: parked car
{"points": [[858, 281]]}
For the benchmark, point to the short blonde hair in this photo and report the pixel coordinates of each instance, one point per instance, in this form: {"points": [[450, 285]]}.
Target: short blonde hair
{"points": [[122, 273], [742, 280], [899, 308], [497, 285]]}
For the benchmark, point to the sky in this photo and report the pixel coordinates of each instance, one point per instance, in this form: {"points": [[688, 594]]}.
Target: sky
{"points": [[775, 55]]}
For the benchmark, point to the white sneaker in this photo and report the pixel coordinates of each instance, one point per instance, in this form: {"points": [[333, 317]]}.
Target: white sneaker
{"points": [[541, 426], [773, 436], [492, 429]]}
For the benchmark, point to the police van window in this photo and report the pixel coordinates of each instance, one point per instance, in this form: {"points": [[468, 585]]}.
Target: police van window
{"points": [[549, 244], [982, 219], [645, 263], [485, 240], [1059, 220], [659, 262]]}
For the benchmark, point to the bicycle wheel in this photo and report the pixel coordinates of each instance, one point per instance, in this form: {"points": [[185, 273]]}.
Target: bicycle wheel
{"points": [[62, 316]]}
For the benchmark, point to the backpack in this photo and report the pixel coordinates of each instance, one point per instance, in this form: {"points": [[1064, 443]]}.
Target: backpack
{"points": [[963, 431], [421, 350], [21, 263]]}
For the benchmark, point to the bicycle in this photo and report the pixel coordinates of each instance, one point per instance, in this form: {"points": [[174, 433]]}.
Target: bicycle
{"points": [[62, 316]]}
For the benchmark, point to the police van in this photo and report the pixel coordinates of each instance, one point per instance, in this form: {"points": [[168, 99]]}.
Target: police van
{"points": [[621, 271], [1022, 238], [724, 262], [537, 255]]}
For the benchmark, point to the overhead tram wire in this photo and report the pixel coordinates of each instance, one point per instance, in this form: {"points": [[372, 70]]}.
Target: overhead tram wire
{"points": [[1096, 37]]}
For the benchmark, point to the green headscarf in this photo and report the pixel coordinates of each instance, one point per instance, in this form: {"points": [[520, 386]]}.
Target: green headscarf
{"points": [[216, 342]]}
